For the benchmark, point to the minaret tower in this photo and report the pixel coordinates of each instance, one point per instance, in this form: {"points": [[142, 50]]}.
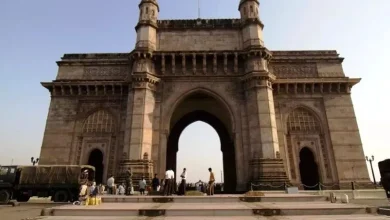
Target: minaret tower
{"points": [[137, 149], [252, 31], [147, 25], [265, 164]]}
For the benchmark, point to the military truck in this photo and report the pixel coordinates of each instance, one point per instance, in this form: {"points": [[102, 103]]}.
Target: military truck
{"points": [[60, 182], [384, 169]]}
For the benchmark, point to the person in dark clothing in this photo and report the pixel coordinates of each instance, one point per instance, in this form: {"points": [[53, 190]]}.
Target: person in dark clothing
{"points": [[155, 183]]}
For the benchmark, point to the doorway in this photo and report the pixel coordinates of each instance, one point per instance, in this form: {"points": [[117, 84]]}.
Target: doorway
{"points": [[96, 159], [308, 169]]}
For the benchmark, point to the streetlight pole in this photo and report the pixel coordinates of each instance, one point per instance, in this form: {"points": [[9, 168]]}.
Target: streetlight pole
{"points": [[372, 169]]}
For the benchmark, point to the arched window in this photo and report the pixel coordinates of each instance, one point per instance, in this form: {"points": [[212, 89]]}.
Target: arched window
{"points": [[147, 10], [301, 120], [251, 8], [99, 122], [244, 10], [153, 13]]}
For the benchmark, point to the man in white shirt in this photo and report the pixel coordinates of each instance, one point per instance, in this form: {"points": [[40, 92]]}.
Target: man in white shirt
{"points": [[183, 184], [110, 185]]}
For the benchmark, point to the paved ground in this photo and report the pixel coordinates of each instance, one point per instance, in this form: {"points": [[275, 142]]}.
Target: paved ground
{"points": [[23, 211], [329, 217]]}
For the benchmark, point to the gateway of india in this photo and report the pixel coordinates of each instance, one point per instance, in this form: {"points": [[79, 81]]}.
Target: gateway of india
{"points": [[282, 116]]}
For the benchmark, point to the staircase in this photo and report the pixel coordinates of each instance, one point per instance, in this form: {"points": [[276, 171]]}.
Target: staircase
{"points": [[269, 206]]}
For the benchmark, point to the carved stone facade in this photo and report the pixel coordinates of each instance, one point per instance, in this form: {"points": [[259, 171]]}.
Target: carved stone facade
{"points": [[266, 106]]}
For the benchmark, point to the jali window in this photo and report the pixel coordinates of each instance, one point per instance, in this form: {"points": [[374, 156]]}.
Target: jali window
{"points": [[301, 120], [99, 122]]}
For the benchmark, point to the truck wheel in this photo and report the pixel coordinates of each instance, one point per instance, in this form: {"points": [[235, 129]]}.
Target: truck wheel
{"points": [[61, 196], [23, 198], [4, 196]]}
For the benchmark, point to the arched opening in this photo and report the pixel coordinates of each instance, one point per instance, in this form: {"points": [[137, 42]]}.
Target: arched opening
{"points": [[200, 106], [96, 159], [200, 149], [308, 169]]}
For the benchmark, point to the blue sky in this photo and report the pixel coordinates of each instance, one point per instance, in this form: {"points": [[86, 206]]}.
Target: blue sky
{"points": [[35, 34]]}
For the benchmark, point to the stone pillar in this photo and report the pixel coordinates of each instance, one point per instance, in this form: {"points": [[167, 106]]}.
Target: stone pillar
{"points": [[137, 153], [267, 169]]}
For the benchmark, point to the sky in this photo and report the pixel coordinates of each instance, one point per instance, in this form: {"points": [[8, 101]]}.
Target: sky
{"points": [[35, 34]]}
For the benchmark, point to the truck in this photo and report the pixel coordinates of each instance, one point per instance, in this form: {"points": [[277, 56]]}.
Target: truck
{"points": [[384, 169], [60, 182]]}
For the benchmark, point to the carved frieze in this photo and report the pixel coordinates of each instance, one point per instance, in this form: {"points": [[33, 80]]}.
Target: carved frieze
{"points": [[105, 72], [294, 70]]}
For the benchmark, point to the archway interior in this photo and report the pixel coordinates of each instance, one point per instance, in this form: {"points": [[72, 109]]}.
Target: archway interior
{"points": [[96, 159], [199, 149], [202, 107], [308, 169]]}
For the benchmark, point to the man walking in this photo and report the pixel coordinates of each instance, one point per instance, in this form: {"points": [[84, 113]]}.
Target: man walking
{"points": [[211, 183], [183, 184]]}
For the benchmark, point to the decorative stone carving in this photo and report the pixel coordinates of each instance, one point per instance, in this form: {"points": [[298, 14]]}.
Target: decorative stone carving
{"points": [[294, 70], [105, 72]]}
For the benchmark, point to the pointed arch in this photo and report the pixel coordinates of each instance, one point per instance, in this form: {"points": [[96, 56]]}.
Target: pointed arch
{"points": [[207, 92], [100, 121]]}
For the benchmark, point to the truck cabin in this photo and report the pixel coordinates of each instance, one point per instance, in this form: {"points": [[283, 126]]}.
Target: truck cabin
{"points": [[384, 169], [8, 175]]}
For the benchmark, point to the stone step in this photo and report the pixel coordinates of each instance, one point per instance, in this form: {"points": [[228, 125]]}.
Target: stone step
{"points": [[214, 199], [307, 217], [210, 209]]}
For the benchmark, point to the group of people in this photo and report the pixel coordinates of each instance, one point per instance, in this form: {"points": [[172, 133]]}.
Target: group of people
{"points": [[168, 185]]}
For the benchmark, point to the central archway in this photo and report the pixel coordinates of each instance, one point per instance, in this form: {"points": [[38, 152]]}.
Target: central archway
{"points": [[202, 107]]}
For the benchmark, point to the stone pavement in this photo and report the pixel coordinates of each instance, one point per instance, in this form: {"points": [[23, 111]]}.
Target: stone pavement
{"points": [[307, 217]]}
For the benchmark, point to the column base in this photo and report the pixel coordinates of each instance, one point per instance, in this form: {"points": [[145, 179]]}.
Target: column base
{"points": [[139, 168], [268, 174]]}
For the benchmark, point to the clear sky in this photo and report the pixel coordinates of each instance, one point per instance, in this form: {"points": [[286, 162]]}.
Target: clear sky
{"points": [[35, 34]]}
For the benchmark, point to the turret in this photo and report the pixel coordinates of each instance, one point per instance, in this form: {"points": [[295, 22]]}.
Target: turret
{"points": [[252, 30], [147, 25], [249, 9]]}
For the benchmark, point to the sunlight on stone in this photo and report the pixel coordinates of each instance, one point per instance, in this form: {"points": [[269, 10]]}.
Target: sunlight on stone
{"points": [[199, 149]]}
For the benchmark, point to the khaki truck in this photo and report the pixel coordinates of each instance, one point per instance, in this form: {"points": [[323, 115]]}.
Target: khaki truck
{"points": [[384, 169], [60, 182]]}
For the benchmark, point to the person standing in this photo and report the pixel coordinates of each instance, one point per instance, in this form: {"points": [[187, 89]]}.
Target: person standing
{"points": [[142, 186], [173, 182], [155, 183], [211, 183], [167, 183], [183, 184], [129, 182], [111, 184]]}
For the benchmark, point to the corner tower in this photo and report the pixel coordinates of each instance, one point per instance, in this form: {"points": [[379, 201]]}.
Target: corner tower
{"points": [[147, 25], [266, 166], [252, 30]]}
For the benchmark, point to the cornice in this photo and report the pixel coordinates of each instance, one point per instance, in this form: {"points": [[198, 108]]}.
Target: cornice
{"points": [[200, 24]]}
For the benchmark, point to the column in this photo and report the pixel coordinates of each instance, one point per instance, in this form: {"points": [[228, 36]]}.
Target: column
{"points": [[137, 153], [266, 167]]}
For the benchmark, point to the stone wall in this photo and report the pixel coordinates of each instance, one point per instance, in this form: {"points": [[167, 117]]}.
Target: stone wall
{"points": [[345, 139], [199, 40], [58, 136]]}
